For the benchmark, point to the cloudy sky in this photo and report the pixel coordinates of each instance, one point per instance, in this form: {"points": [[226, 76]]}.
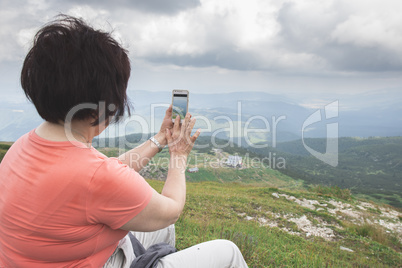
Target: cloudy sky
{"points": [[313, 50]]}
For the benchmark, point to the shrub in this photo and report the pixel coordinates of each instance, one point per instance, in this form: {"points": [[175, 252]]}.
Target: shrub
{"points": [[334, 191], [4, 146], [377, 234]]}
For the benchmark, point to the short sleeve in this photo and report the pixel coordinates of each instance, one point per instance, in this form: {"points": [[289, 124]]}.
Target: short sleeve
{"points": [[117, 193]]}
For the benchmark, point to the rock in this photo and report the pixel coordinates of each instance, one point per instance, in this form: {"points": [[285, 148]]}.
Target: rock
{"points": [[249, 218], [275, 195], [306, 226], [311, 202], [361, 208], [346, 249]]}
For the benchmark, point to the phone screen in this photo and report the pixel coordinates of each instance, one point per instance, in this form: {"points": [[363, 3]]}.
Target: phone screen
{"points": [[180, 103]]}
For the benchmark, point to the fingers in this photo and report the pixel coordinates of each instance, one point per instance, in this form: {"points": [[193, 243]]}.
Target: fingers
{"points": [[189, 129], [180, 135], [168, 112], [185, 123], [196, 135], [176, 126], [168, 135], [190, 126]]}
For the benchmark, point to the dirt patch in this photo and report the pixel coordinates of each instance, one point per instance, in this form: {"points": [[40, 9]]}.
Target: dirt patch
{"points": [[309, 228], [304, 225], [357, 213]]}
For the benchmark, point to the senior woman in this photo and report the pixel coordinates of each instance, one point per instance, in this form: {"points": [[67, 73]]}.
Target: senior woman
{"points": [[64, 204]]}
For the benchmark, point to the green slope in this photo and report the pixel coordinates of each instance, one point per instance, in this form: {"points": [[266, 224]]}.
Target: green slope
{"points": [[4, 146], [370, 166], [271, 232]]}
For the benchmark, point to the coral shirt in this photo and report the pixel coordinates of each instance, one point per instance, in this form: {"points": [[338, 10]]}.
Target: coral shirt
{"points": [[62, 204]]}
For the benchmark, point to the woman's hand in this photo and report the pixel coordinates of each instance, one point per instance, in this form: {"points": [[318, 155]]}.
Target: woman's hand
{"points": [[166, 124], [179, 138], [165, 208]]}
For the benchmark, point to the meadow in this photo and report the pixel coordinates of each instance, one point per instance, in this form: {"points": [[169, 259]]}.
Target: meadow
{"points": [[239, 212], [276, 220]]}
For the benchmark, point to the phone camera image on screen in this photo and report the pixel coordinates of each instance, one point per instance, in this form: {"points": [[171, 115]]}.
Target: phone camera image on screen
{"points": [[180, 103]]}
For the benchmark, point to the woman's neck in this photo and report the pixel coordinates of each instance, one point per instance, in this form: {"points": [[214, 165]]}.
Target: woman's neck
{"points": [[81, 131]]}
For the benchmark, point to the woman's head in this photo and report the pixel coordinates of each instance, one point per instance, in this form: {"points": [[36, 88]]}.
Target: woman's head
{"points": [[72, 65]]}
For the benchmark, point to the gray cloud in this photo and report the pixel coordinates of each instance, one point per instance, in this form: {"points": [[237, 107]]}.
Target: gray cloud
{"points": [[312, 37], [225, 58], [300, 43], [342, 37], [299, 36], [170, 7], [163, 6], [362, 59]]}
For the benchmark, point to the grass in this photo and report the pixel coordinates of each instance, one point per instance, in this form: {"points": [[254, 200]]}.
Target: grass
{"points": [[333, 191], [4, 146], [377, 234], [212, 212]]}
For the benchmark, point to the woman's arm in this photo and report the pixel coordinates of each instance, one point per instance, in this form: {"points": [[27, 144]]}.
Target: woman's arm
{"points": [[165, 208], [139, 157]]}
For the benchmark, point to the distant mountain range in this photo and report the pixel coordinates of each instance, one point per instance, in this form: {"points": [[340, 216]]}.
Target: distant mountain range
{"points": [[16, 119], [226, 115], [369, 166]]}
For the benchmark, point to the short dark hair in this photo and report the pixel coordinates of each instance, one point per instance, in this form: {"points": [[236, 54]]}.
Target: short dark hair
{"points": [[71, 63]]}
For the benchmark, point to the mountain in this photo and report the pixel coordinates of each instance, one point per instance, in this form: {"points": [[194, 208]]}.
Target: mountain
{"points": [[367, 166], [16, 119], [274, 117], [370, 166]]}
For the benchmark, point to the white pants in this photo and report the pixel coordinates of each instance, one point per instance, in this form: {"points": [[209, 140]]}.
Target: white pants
{"points": [[216, 253]]}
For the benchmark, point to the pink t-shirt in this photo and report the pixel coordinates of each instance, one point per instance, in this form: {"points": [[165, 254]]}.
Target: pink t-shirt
{"points": [[62, 204]]}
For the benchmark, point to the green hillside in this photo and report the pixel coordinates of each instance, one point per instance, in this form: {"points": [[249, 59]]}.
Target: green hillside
{"points": [[371, 166], [322, 227], [4, 146], [212, 167]]}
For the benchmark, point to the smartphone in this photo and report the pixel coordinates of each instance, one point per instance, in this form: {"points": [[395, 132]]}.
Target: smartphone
{"points": [[179, 103]]}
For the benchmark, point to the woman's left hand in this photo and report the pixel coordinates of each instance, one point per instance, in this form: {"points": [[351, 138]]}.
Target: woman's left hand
{"points": [[166, 124]]}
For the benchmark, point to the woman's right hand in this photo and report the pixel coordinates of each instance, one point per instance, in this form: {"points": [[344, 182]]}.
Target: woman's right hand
{"points": [[179, 138], [165, 208]]}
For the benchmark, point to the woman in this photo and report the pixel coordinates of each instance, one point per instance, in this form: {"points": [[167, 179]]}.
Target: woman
{"points": [[64, 204]]}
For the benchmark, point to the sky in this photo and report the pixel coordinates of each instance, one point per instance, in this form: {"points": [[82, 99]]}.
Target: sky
{"points": [[315, 51]]}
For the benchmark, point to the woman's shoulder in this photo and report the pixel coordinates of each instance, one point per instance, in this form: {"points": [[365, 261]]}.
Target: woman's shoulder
{"points": [[112, 165]]}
